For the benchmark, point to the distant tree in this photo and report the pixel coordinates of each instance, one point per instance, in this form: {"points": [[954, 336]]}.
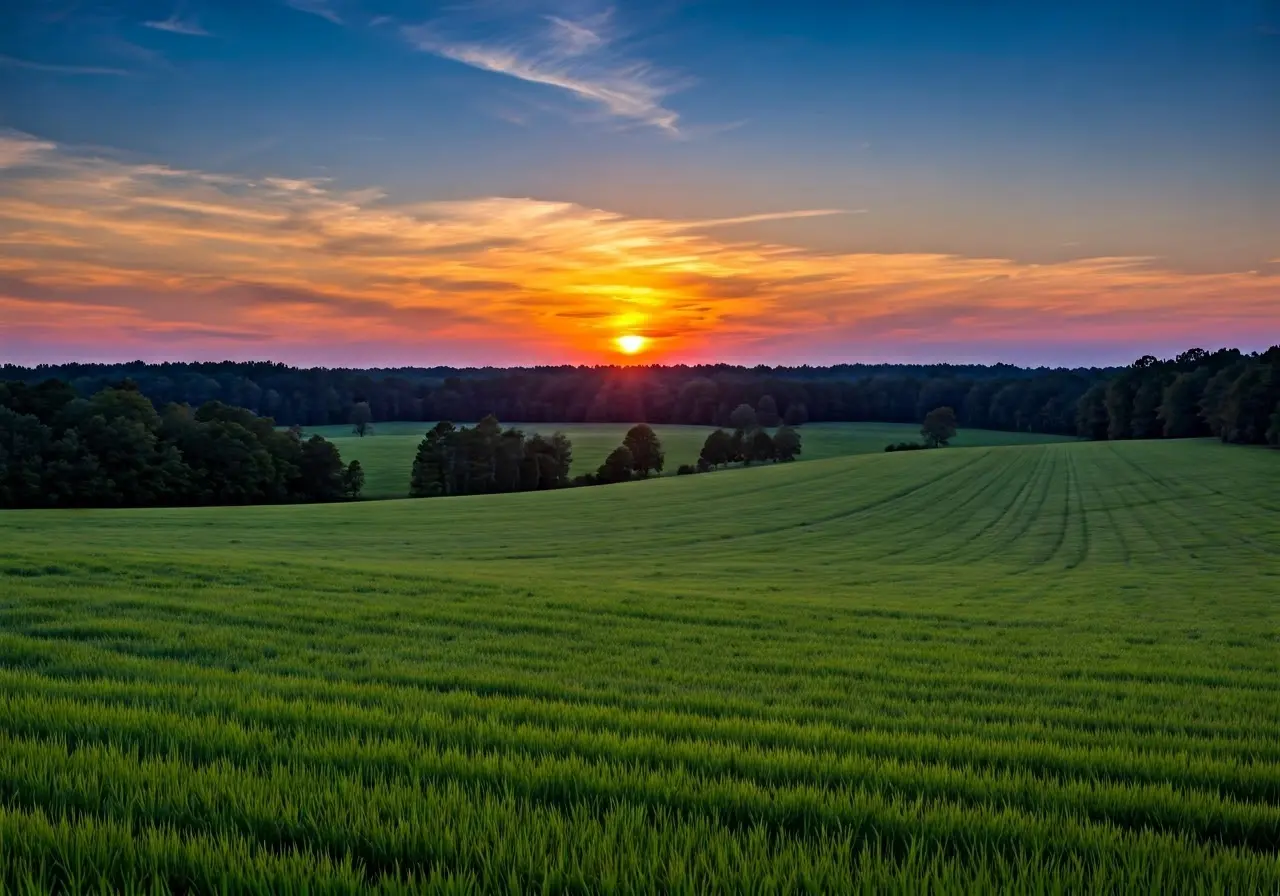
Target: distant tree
{"points": [[1091, 413], [760, 448], [797, 414], [686, 470], [1145, 422], [617, 466], [562, 454], [353, 480], [1273, 432], [767, 412], [321, 472], [1179, 412], [939, 427], [361, 418], [744, 418], [647, 455], [717, 448], [1119, 404], [433, 465], [786, 443]]}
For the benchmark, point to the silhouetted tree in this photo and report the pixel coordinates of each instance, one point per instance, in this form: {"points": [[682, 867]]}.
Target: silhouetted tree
{"points": [[743, 418], [646, 449], [939, 427], [760, 448], [786, 443], [767, 412], [797, 414], [353, 480], [361, 418], [716, 449], [617, 466]]}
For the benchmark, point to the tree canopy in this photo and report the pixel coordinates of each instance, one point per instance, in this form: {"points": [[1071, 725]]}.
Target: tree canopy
{"points": [[939, 427], [114, 449]]}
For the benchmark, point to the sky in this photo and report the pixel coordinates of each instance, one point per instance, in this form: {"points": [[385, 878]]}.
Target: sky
{"points": [[512, 182]]}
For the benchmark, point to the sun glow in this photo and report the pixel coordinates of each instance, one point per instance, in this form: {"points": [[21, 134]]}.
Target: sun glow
{"points": [[631, 343]]}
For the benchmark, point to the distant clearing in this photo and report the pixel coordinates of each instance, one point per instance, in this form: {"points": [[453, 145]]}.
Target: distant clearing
{"points": [[387, 455]]}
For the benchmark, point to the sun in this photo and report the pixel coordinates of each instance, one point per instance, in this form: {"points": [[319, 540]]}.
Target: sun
{"points": [[630, 344]]}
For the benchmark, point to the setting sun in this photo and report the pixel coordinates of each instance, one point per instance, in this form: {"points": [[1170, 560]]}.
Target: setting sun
{"points": [[631, 343]]}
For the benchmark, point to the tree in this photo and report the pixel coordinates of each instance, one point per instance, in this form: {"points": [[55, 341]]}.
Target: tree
{"points": [[760, 448], [1179, 412], [1091, 413], [353, 480], [786, 444], [939, 427], [646, 449], [361, 418], [617, 466], [744, 418], [715, 450], [767, 411], [432, 472], [797, 414], [321, 474], [1273, 432]]}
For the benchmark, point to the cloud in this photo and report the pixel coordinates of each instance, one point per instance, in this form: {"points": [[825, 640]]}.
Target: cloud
{"points": [[321, 8], [585, 57], [95, 251], [17, 148], [176, 25], [58, 69]]}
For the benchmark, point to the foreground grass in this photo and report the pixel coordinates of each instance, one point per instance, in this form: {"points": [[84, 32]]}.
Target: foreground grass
{"points": [[1047, 668], [387, 455]]}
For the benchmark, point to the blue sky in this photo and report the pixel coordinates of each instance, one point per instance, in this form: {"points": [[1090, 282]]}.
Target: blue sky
{"points": [[964, 141]]}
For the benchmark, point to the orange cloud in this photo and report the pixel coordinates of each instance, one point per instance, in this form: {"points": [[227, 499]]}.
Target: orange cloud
{"points": [[152, 250]]}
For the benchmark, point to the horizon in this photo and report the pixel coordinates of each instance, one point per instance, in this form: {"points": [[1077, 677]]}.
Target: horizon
{"points": [[517, 183]]}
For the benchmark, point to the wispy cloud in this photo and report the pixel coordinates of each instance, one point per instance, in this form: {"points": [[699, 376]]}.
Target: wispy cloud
{"points": [[99, 251], [17, 148], [175, 24], [59, 69], [586, 57], [322, 8]]}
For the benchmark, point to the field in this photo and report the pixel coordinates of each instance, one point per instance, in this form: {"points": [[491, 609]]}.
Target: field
{"points": [[387, 456], [1047, 668]]}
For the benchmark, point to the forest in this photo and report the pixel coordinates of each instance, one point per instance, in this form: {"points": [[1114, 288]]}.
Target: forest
{"points": [[114, 449], [985, 397], [1225, 394]]}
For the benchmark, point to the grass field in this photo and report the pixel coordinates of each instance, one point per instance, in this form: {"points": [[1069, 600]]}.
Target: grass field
{"points": [[1046, 668], [387, 456]]}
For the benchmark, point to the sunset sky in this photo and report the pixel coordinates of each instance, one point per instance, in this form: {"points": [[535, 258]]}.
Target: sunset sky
{"points": [[393, 182]]}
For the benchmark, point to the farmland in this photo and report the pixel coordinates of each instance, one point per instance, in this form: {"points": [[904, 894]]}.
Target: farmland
{"points": [[387, 455], [1028, 668]]}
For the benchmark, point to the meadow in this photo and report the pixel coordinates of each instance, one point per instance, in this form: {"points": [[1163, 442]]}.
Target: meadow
{"points": [[387, 455], [1041, 668]]}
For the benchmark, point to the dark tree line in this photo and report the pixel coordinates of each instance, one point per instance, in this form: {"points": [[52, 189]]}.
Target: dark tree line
{"points": [[1226, 394], [988, 397], [750, 442], [114, 449], [487, 459]]}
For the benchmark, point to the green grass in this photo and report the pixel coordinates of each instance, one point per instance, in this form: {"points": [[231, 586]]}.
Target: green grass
{"points": [[1047, 668], [387, 455]]}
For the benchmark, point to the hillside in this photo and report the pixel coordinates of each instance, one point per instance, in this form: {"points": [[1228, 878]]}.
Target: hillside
{"points": [[387, 454], [999, 667]]}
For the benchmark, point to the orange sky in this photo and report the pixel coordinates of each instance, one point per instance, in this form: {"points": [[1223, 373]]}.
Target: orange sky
{"points": [[159, 262]]}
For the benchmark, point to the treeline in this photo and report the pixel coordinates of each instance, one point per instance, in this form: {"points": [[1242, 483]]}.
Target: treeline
{"points": [[988, 397], [1226, 394], [114, 449], [487, 459]]}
